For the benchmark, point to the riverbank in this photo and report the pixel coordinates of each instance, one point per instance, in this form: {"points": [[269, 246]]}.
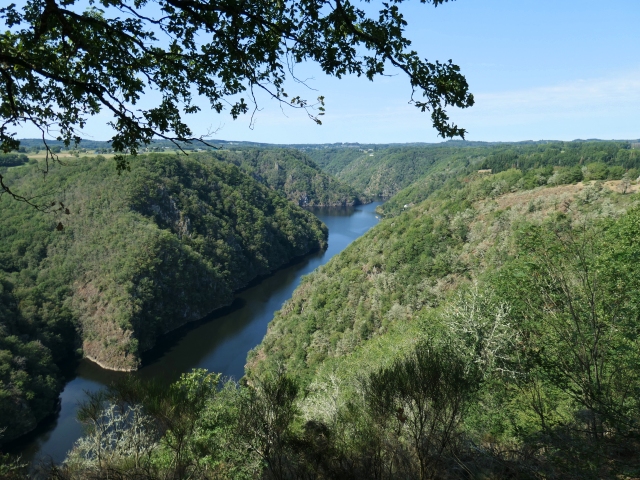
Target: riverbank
{"points": [[220, 342]]}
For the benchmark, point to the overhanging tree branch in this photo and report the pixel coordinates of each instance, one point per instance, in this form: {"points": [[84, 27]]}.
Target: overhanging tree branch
{"points": [[60, 65]]}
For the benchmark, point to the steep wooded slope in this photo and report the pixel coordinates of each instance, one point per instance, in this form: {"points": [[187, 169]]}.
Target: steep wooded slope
{"points": [[438, 233], [407, 265], [387, 170], [293, 174], [488, 372], [490, 331], [524, 282], [140, 254]]}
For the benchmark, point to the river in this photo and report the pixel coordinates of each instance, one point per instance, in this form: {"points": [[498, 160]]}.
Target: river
{"points": [[219, 342]]}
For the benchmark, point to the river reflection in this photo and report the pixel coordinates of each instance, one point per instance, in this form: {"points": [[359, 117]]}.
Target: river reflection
{"points": [[219, 342]]}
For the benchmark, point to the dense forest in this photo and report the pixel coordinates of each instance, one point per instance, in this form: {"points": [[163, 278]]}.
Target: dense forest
{"points": [[382, 171], [388, 170], [288, 171], [488, 328], [549, 163], [293, 174], [12, 159], [125, 259]]}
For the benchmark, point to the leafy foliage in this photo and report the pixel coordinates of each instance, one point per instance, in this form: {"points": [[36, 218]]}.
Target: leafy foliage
{"points": [[489, 331], [29, 378], [546, 321], [13, 159], [422, 397], [410, 174], [383, 171], [63, 63], [578, 306]]}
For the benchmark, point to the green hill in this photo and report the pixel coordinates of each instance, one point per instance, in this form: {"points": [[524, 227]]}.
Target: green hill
{"points": [[406, 266], [293, 174], [472, 336], [388, 170], [488, 331], [552, 163], [381, 171], [520, 283], [139, 255]]}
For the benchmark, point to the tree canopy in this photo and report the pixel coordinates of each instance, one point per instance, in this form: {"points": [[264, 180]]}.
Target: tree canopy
{"points": [[61, 63]]}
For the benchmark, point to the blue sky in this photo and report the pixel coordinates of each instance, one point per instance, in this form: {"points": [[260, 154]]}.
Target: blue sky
{"points": [[543, 69]]}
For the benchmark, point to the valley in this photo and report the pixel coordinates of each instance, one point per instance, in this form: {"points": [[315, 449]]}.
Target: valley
{"points": [[488, 321]]}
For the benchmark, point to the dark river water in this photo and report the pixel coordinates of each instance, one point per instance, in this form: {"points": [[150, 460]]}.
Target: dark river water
{"points": [[219, 343]]}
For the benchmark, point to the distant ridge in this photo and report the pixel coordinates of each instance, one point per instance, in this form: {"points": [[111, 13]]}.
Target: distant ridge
{"points": [[91, 144]]}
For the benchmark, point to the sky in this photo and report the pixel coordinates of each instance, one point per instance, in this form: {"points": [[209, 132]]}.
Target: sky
{"points": [[543, 69]]}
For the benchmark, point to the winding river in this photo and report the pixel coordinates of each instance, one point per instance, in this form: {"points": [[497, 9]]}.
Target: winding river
{"points": [[219, 342]]}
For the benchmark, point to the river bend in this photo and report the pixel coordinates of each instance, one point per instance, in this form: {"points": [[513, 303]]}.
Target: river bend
{"points": [[219, 343]]}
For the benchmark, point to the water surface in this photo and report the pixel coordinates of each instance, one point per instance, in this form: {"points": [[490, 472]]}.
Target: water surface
{"points": [[219, 343]]}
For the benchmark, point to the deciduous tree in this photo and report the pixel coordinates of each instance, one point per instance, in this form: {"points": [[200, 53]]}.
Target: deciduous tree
{"points": [[62, 61]]}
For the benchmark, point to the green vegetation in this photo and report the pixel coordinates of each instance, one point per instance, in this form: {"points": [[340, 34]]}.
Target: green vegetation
{"points": [[536, 289], [13, 159], [293, 174], [490, 331], [125, 259], [532, 165], [383, 171], [334, 160], [180, 47], [411, 173], [408, 264]]}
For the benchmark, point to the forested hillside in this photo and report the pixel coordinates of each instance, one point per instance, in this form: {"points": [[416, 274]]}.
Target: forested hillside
{"points": [[408, 263], [293, 174], [489, 331], [387, 170], [335, 159], [135, 255], [553, 163], [12, 159], [532, 294]]}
